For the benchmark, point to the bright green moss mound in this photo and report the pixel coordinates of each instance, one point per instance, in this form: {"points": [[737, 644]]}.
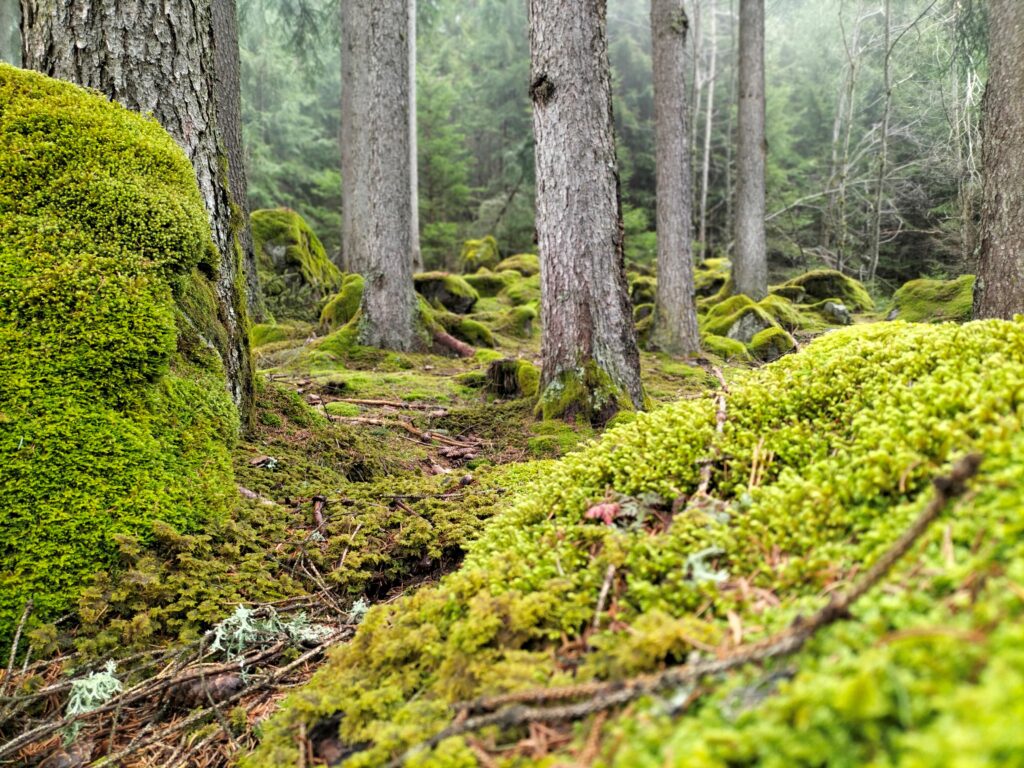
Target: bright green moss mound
{"points": [[738, 318], [479, 253], [821, 284], [262, 334], [771, 344], [729, 350], [935, 301], [345, 304], [113, 408], [845, 437], [489, 284], [295, 273], [526, 264], [522, 292]]}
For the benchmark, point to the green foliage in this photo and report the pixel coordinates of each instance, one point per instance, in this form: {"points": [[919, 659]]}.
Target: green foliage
{"points": [[479, 253], [295, 273], [935, 301], [114, 411], [855, 426]]}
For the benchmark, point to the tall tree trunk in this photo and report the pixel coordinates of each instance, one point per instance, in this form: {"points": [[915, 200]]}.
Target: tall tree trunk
{"points": [[750, 265], [229, 126], [155, 56], [883, 154], [379, 194], [591, 365], [414, 169], [999, 291], [346, 138], [709, 112], [10, 36], [675, 314]]}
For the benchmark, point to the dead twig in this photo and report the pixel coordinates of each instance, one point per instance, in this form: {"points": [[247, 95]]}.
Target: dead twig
{"points": [[391, 404], [14, 645], [422, 435]]}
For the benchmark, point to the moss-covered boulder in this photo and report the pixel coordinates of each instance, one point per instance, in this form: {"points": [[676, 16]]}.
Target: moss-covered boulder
{"points": [[738, 317], [344, 305], [520, 321], [643, 290], [771, 344], [523, 291], [114, 414], [526, 264], [785, 313], [729, 350], [821, 284], [711, 277], [489, 284], [479, 253], [717, 539], [446, 290], [294, 270], [262, 334], [934, 301]]}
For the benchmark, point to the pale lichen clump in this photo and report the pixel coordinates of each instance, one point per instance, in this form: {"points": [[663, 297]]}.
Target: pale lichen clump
{"points": [[822, 460]]}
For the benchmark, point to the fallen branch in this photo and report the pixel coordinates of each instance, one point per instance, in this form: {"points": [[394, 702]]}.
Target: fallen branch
{"points": [[721, 415], [511, 710], [390, 404], [427, 436], [14, 645], [449, 342]]}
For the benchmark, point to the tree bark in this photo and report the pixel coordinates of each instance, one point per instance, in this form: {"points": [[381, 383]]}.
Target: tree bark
{"points": [[675, 314], [227, 66], [883, 155], [155, 56], [591, 363], [999, 291], [346, 139], [414, 169], [10, 36], [709, 113], [375, 34], [750, 264]]}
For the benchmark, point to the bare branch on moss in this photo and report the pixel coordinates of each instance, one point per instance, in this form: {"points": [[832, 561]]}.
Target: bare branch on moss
{"points": [[447, 341], [602, 598], [391, 404], [422, 435], [721, 415], [511, 710], [14, 645]]}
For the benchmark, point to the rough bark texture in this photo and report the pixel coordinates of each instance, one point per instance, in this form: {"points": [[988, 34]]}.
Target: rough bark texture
{"points": [[414, 171], [229, 126], [10, 37], [379, 203], [709, 113], [675, 314], [345, 139], [589, 344], [750, 263], [999, 291], [154, 56]]}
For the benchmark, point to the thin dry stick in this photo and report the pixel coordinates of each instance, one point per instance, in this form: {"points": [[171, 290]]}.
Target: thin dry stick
{"points": [[721, 415], [602, 598], [391, 404], [14, 646], [511, 708]]}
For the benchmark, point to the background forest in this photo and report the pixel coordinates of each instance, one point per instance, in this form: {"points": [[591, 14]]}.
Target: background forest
{"points": [[827, 101]]}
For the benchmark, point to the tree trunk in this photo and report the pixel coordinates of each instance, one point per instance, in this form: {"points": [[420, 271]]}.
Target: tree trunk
{"points": [[999, 291], [375, 36], [675, 314], [709, 112], [155, 56], [346, 139], [883, 155], [414, 169], [10, 35], [591, 365], [229, 125], [750, 265]]}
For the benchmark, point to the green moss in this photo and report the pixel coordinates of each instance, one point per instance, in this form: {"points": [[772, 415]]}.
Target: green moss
{"points": [[526, 264], [295, 273], [826, 284], [587, 392], [786, 314], [519, 321], [725, 348], [771, 344], [522, 292], [737, 317], [345, 304], [114, 410], [451, 292], [262, 334], [474, 333], [935, 301], [528, 376], [643, 290], [489, 284], [711, 277], [479, 253], [845, 437]]}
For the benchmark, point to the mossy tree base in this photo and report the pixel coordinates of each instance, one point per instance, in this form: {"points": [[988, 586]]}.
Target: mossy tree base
{"points": [[586, 393]]}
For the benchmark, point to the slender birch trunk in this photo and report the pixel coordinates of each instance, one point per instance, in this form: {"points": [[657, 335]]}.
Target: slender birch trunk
{"points": [[709, 111]]}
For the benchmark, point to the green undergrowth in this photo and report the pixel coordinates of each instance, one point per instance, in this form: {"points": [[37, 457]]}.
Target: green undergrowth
{"points": [[825, 458], [295, 273], [935, 301], [114, 415]]}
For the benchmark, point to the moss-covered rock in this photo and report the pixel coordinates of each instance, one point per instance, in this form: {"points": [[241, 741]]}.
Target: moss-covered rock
{"points": [[519, 321], [729, 350], [643, 290], [523, 291], [711, 277], [526, 264], [446, 290], [489, 284], [821, 284], [344, 305], [262, 334], [825, 458], [738, 317], [479, 253], [640, 311], [934, 301], [295, 273], [771, 344], [833, 312], [786, 314], [114, 413]]}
